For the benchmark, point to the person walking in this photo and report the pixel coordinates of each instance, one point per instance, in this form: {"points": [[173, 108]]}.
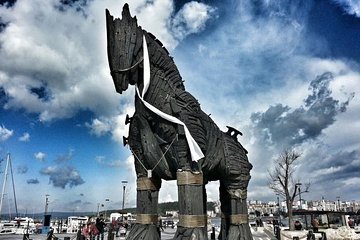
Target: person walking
{"points": [[315, 224], [100, 225]]}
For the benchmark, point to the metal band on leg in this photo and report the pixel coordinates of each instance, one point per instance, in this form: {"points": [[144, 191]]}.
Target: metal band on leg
{"points": [[189, 178], [144, 183], [192, 221], [236, 219], [147, 218]]}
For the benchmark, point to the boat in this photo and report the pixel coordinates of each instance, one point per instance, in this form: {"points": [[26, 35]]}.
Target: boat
{"points": [[74, 223], [20, 225], [7, 227]]}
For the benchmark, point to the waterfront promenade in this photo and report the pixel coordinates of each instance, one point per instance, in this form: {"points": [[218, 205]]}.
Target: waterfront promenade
{"points": [[168, 234]]}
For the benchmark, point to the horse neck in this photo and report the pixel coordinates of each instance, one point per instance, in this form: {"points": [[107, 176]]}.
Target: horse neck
{"points": [[165, 78]]}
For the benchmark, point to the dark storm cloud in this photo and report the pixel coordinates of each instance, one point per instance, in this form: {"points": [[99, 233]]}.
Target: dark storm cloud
{"points": [[339, 166], [32, 181], [78, 5], [338, 159], [350, 7], [63, 176], [8, 3], [280, 126]]}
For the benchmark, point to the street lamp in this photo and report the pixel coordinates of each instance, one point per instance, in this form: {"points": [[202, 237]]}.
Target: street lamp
{"points": [[98, 206], [353, 207], [106, 200], [338, 199], [124, 183], [46, 203], [278, 199], [298, 186], [47, 217]]}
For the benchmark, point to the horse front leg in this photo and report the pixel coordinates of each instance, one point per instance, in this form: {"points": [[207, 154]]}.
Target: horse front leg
{"points": [[192, 206], [146, 226]]}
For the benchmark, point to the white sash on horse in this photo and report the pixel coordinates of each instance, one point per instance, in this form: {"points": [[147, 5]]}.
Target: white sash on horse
{"points": [[195, 150]]}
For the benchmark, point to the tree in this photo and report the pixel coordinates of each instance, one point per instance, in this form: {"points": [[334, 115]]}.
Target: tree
{"points": [[281, 179]]}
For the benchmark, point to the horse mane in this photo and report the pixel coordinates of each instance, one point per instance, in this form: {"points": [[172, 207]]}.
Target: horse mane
{"points": [[161, 60]]}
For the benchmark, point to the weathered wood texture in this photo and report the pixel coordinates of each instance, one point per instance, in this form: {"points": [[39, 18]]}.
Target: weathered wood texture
{"points": [[192, 210], [190, 234], [234, 221], [160, 146], [147, 202], [143, 232]]}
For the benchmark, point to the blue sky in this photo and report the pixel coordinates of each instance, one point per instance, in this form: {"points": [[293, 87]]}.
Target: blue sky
{"points": [[285, 73]]}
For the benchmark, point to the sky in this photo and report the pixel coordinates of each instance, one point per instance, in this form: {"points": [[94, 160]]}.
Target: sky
{"points": [[285, 73]]}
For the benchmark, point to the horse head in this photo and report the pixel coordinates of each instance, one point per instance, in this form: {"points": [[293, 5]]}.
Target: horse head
{"points": [[124, 45]]}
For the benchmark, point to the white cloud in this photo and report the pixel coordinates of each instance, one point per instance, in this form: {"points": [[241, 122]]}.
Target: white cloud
{"points": [[5, 133], [72, 68], [98, 127], [352, 7], [25, 137], [192, 18], [114, 125], [246, 64], [119, 128], [40, 156]]}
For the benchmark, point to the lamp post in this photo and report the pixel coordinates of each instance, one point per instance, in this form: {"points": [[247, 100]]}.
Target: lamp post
{"points": [[298, 186], [279, 211], [46, 203], [353, 207], [98, 206], [46, 224], [338, 200], [124, 183], [106, 200]]}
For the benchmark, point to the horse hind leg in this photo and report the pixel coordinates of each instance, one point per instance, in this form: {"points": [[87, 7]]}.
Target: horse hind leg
{"points": [[234, 218], [233, 192], [192, 206], [146, 226]]}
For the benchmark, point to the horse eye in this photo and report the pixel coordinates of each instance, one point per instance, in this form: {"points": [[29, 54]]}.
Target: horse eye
{"points": [[117, 33]]}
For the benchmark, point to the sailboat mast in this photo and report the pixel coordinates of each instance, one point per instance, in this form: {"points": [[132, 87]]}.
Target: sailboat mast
{"points": [[4, 182], [13, 184]]}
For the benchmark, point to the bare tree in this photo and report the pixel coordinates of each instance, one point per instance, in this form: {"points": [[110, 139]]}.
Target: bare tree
{"points": [[281, 179]]}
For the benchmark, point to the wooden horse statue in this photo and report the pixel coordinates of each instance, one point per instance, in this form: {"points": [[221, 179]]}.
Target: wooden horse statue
{"points": [[171, 138]]}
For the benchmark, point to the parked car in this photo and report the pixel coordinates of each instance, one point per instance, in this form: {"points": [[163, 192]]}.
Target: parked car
{"points": [[168, 223]]}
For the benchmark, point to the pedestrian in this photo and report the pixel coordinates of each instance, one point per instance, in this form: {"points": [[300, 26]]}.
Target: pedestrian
{"points": [[85, 231], [115, 226], [50, 234], [351, 222], [298, 225], [93, 231], [100, 225], [315, 224], [161, 225]]}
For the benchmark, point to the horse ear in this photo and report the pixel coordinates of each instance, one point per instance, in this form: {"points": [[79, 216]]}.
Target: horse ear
{"points": [[110, 28], [126, 12]]}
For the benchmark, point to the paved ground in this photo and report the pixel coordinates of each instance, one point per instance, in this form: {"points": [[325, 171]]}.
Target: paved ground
{"points": [[259, 234]]}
